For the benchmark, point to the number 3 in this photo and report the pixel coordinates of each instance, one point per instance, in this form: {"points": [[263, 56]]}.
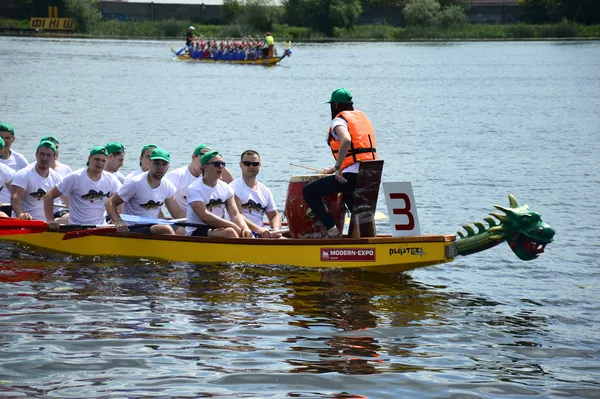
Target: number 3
{"points": [[403, 211]]}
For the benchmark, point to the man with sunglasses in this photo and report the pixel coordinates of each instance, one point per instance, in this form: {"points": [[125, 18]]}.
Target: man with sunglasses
{"points": [[254, 199], [210, 199]]}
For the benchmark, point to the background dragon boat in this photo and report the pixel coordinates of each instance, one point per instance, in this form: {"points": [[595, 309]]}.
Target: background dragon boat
{"points": [[521, 228], [262, 61]]}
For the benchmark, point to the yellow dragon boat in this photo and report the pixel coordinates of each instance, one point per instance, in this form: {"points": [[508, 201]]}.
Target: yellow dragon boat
{"points": [[524, 231], [262, 61]]}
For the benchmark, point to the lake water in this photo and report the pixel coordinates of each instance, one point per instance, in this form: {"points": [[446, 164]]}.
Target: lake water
{"points": [[466, 123]]}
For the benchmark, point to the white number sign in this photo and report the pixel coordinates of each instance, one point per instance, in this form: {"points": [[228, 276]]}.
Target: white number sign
{"points": [[402, 209]]}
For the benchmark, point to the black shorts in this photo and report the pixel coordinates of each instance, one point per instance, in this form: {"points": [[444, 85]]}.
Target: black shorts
{"points": [[6, 209], [140, 229], [202, 231]]}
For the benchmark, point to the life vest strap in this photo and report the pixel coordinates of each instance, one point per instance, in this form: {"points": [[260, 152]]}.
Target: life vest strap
{"points": [[352, 152]]}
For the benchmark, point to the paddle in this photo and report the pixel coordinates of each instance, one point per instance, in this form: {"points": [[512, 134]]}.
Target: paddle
{"points": [[11, 226], [177, 52], [306, 167]]}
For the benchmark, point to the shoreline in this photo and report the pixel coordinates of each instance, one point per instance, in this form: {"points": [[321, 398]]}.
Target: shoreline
{"points": [[28, 33]]}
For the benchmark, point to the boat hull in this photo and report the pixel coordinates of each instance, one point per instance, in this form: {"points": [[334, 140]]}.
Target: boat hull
{"points": [[379, 254]]}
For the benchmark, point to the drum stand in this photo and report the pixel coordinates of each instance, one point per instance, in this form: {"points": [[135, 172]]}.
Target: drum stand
{"points": [[362, 214]]}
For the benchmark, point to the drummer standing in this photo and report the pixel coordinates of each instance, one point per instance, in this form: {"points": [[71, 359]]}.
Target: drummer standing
{"points": [[351, 138]]}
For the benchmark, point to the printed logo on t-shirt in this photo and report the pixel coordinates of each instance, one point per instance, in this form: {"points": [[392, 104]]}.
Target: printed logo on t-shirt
{"points": [[214, 203], [151, 205], [39, 194], [94, 195], [251, 205]]}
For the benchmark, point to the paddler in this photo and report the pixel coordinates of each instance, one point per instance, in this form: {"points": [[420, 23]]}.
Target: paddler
{"points": [[9, 157], [88, 190], [144, 195], [144, 161], [270, 44], [351, 138], [210, 199], [116, 157]]}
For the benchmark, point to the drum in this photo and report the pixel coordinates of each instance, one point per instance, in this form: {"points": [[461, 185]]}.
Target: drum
{"points": [[301, 221]]}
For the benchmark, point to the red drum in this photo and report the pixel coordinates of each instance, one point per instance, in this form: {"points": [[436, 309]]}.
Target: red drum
{"points": [[301, 221]]}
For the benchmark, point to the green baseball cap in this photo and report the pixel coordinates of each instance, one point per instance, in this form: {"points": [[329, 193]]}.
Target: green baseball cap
{"points": [[1, 143], [147, 147], [5, 127], [50, 138], [199, 149], [47, 144], [99, 149], [208, 156], [115, 146], [161, 154], [340, 96]]}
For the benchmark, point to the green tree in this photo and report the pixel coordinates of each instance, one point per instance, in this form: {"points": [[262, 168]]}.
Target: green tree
{"points": [[322, 15], [453, 16], [421, 12], [21, 9], [540, 11], [85, 13]]}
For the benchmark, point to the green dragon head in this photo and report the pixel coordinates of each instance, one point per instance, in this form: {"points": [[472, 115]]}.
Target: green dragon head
{"points": [[524, 230]]}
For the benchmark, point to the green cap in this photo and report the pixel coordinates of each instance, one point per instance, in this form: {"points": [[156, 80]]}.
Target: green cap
{"points": [[340, 96], [147, 147], [47, 144], [115, 146], [199, 149], [208, 156], [99, 149], [161, 154], [1, 144], [5, 127], [50, 138]]}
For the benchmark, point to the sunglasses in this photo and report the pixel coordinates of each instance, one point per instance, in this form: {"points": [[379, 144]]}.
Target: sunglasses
{"points": [[248, 163], [218, 164]]}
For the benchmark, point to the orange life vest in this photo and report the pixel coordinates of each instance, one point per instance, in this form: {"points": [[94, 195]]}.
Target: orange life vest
{"points": [[362, 146]]}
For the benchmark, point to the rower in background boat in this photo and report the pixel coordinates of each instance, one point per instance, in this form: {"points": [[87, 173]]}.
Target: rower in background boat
{"points": [[30, 185], [144, 195], [254, 199], [210, 199], [88, 189], [116, 158]]}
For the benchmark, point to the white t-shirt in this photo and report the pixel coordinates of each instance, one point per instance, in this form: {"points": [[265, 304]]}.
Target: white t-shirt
{"points": [[15, 161], [181, 179], [254, 202], [214, 199], [142, 200], [35, 187], [134, 174], [6, 175], [342, 122], [87, 197], [63, 169], [120, 176]]}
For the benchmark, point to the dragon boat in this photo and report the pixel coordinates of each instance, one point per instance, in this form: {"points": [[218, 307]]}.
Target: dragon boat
{"points": [[521, 228], [269, 61]]}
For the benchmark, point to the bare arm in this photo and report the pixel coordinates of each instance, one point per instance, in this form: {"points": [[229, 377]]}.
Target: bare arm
{"points": [[49, 203], [174, 209], [15, 200], [274, 219], [227, 177], [345, 140], [237, 217], [111, 208]]}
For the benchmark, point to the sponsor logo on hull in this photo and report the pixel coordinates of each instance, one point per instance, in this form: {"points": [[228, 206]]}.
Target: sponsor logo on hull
{"points": [[347, 254]]}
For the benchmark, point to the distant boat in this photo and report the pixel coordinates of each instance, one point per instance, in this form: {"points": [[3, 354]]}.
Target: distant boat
{"points": [[263, 61]]}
